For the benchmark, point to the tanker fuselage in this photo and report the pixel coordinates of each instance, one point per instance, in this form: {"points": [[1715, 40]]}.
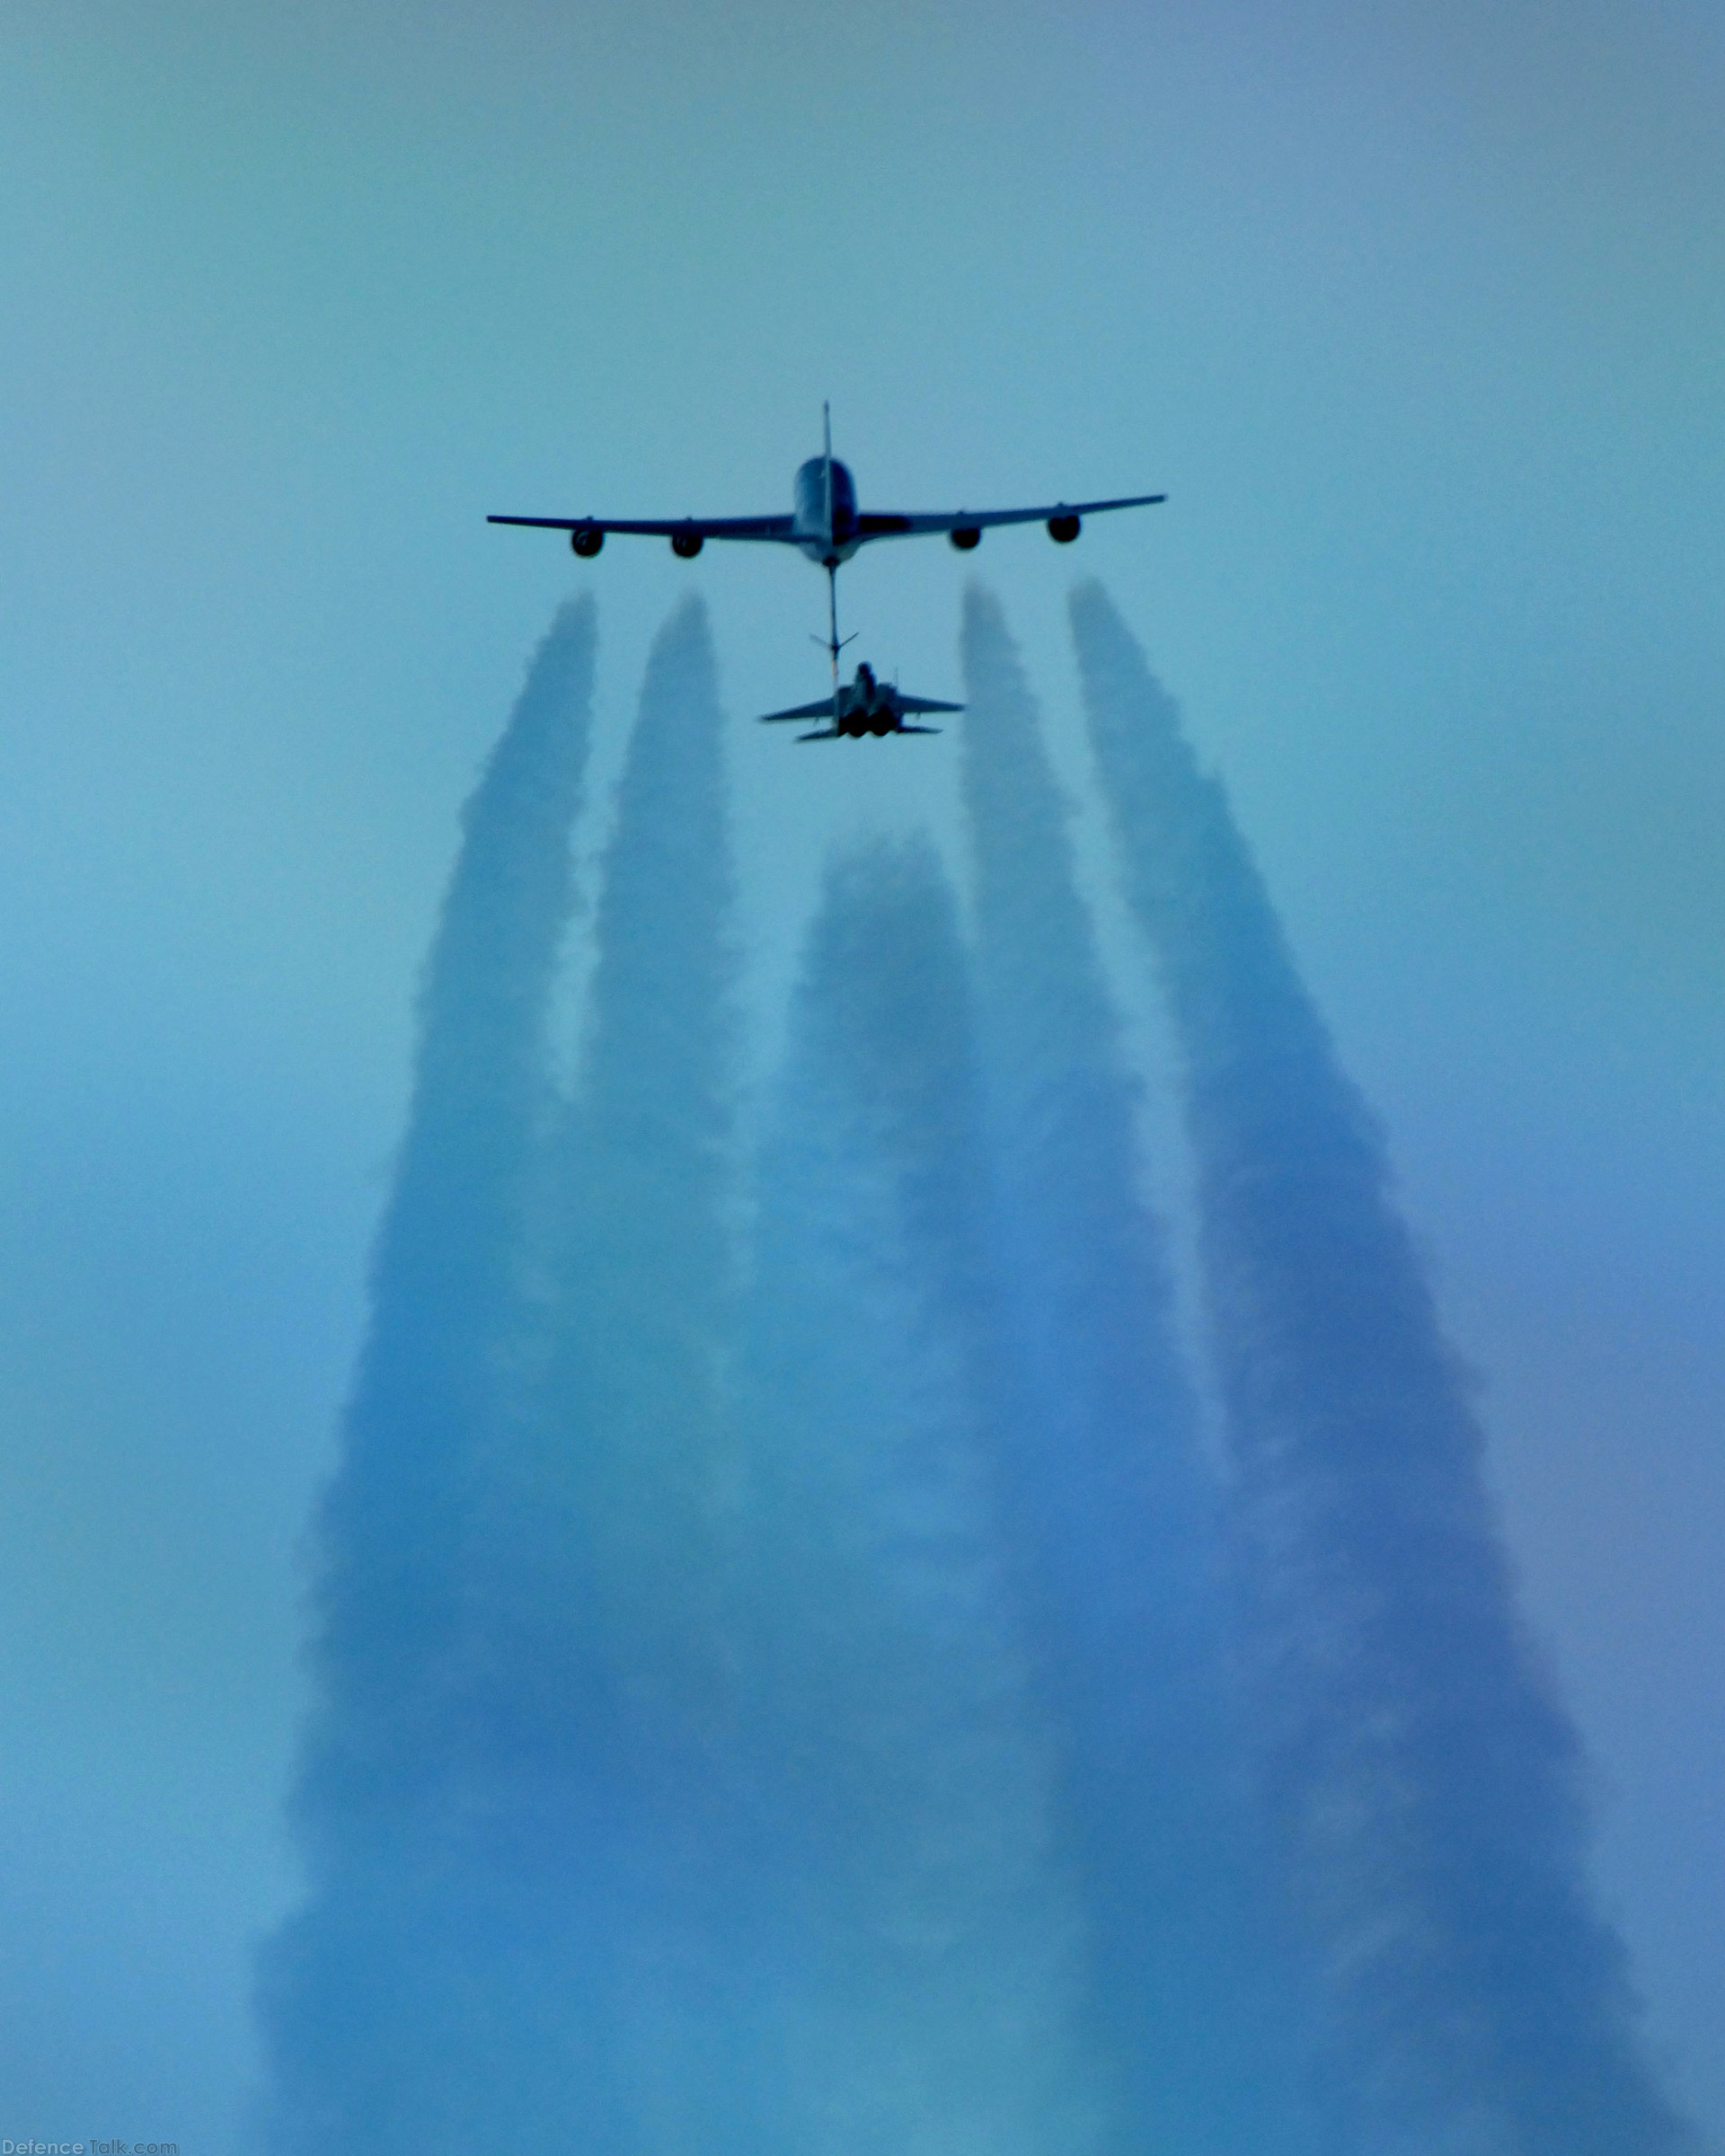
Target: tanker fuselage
{"points": [[826, 530]]}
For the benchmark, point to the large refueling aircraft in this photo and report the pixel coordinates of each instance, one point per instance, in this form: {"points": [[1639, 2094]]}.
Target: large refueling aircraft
{"points": [[826, 524]]}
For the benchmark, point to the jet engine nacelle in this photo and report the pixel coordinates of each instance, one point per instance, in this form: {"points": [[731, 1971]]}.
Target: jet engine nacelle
{"points": [[965, 536], [586, 540], [686, 545], [1064, 529]]}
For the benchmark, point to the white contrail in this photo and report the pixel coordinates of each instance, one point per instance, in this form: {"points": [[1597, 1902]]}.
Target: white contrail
{"points": [[620, 1557], [924, 1930], [1422, 1779], [1116, 1513], [378, 1998]]}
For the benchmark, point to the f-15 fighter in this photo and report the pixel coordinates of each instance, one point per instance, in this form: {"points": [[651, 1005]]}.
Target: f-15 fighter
{"points": [[863, 706]]}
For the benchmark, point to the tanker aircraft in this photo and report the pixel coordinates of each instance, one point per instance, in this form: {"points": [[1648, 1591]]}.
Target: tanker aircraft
{"points": [[863, 706], [826, 524]]}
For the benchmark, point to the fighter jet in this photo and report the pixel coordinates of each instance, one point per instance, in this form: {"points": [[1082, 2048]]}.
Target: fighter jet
{"points": [[826, 524], [863, 706]]}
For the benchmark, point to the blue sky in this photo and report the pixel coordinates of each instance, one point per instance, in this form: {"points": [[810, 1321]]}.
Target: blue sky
{"points": [[1417, 318]]}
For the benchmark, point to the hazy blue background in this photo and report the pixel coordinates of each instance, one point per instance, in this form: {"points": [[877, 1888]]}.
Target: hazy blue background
{"points": [[1420, 320]]}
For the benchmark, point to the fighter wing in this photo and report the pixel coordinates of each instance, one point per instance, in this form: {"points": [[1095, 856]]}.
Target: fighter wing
{"points": [[823, 709], [668, 527], [886, 524], [924, 703]]}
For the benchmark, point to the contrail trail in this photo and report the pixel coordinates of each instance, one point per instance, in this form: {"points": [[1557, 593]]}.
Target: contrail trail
{"points": [[1110, 1487], [375, 2001], [1422, 1781], [620, 1557], [920, 1921], [639, 1180]]}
